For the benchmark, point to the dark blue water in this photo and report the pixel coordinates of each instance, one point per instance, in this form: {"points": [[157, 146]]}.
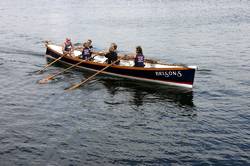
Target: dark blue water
{"points": [[111, 121]]}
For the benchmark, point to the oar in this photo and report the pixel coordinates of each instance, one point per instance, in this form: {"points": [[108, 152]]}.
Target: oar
{"points": [[89, 78], [45, 80], [48, 65]]}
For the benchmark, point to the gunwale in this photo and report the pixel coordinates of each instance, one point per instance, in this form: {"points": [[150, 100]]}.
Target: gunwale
{"points": [[123, 67], [177, 83]]}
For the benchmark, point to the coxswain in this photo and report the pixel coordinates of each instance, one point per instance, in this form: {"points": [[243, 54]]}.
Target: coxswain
{"points": [[67, 46], [139, 57], [86, 52]]}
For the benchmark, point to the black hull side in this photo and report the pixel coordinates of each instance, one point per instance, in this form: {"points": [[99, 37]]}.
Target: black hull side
{"points": [[179, 76]]}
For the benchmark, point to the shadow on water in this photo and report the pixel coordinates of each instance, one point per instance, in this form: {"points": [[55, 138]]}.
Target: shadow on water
{"points": [[144, 92]]}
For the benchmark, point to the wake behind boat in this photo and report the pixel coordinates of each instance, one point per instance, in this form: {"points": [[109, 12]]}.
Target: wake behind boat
{"points": [[154, 72]]}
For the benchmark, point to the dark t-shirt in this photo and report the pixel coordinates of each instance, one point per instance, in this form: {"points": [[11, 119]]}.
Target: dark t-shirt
{"points": [[112, 56], [86, 53], [139, 60], [68, 46]]}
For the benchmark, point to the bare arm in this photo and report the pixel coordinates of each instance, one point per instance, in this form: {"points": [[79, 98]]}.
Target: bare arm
{"points": [[101, 53], [129, 56], [80, 48], [63, 47]]}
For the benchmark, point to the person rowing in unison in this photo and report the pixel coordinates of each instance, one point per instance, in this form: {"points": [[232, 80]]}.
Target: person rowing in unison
{"points": [[89, 42], [86, 52], [68, 47], [139, 57], [112, 54]]}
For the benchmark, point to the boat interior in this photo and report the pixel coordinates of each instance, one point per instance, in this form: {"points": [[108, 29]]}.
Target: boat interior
{"points": [[123, 62]]}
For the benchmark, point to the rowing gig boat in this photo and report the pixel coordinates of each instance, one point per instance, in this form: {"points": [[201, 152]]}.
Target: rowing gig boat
{"points": [[154, 72]]}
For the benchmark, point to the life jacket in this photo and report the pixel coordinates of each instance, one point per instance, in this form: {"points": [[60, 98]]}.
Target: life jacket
{"points": [[139, 60], [68, 46], [86, 53]]}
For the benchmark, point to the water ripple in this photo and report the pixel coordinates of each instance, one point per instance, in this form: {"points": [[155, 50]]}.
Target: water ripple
{"points": [[112, 121]]}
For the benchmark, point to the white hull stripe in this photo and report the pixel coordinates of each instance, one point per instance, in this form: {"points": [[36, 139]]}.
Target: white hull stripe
{"points": [[131, 77]]}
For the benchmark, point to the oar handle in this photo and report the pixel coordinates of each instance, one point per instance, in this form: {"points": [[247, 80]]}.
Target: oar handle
{"points": [[100, 71]]}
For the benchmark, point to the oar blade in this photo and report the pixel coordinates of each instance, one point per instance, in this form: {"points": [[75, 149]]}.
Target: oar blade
{"points": [[45, 80]]}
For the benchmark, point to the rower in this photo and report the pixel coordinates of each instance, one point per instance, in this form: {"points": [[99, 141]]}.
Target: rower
{"points": [[67, 47], [86, 52], [112, 55], [139, 57], [89, 42]]}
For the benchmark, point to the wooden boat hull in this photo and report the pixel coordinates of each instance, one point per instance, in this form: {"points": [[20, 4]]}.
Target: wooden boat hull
{"points": [[176, 76]]}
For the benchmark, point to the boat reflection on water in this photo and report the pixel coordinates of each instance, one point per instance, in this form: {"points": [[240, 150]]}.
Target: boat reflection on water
{"points": [[149, 93]]}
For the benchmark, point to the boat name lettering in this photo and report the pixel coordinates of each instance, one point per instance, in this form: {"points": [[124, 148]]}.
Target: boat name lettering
{"points": [[168, 73]]}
